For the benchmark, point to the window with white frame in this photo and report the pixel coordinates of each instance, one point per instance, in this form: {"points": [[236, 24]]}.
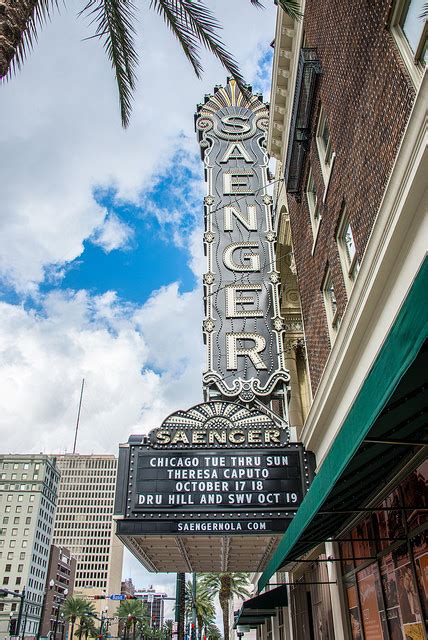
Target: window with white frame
{"points": [[313, 203], [325, 151], [347, 251], [330, 304], [410, 29]]}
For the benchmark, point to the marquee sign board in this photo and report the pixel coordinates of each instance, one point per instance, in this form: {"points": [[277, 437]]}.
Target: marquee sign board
{"points": [[218, 468], [243, 325]]}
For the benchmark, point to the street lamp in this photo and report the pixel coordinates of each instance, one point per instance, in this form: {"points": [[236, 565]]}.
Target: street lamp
{"points": [[64, 593], [63, 626], [11, 620]]}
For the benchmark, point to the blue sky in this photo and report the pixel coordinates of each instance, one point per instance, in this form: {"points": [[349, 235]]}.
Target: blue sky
{"points": [[156, 254]]}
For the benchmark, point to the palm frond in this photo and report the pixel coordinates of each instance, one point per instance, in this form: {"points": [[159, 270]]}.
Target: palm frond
{"points": [[257, 4], [194, 24], [292, 8], [30, 18], [174, 19], [115, 27]]}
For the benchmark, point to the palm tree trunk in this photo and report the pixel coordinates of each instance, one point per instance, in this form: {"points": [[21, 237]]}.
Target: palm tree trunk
{"points": [[181, 605], [134, 626], [225, 609], [14, 19], [72, 628]]}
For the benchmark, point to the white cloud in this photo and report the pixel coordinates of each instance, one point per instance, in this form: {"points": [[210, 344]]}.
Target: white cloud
{"points": [[139, 365], [112, 234]]}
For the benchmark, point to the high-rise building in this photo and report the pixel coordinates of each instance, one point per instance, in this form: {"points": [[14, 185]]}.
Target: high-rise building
{"points": [[28, 496], [348, 128], [155, 603], [84, 524], [127, 587], [59, 585]]}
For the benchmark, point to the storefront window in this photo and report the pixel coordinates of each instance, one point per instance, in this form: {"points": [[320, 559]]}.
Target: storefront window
{"points": [[354, 613], [363, 543], [419, 546], [347, 554], [388, 598], [415, 493], [371, 603]]}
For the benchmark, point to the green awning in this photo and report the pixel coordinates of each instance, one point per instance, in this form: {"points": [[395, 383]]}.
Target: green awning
{"points": [[389, 411], [256, 610]]}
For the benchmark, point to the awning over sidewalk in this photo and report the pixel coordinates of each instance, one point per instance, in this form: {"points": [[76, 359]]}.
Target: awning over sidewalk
{"points": [[385, 426], [256, 610]]}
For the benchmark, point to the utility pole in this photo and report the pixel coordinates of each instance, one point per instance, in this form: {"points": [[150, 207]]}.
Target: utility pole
{"points": [[179, 604], [193, 607]]}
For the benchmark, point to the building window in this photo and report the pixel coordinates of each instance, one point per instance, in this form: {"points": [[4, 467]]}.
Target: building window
{"points": [[325, 151], [347, 251], [313, 205], [410, 30], [330, 305]]}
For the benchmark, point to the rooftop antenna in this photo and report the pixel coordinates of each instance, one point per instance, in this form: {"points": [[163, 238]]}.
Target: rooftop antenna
{"points": [[78, 415]]}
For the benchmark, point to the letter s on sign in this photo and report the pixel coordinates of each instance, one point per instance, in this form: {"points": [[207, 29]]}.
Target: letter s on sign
{"points": [[235, 125], [163, 437]]}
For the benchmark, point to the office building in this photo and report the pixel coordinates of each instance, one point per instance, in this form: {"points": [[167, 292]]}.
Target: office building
{"points": [[28, 496], [84, 525], [348, 128], [155, 603]]}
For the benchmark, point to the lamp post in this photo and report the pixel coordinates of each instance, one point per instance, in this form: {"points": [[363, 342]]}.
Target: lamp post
{"points": [[63, 626], [25, 623], [42, 613], [64, 593], [11, 619]]}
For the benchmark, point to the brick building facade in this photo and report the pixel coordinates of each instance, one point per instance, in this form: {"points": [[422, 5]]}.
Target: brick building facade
{"points": [[366, 96]]}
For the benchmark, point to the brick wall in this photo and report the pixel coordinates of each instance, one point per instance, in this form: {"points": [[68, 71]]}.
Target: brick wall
{"points": [[367, 96]]}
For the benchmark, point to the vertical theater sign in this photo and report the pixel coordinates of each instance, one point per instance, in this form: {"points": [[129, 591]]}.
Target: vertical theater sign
{"points": [[243, 324], [214, 487]]}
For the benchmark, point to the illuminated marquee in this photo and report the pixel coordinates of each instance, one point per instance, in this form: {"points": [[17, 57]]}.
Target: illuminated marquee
{"points": [[243, 325], [217, 467]]}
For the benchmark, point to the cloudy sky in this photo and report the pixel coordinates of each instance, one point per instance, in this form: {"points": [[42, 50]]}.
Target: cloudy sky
{"points": [[101, 251]]}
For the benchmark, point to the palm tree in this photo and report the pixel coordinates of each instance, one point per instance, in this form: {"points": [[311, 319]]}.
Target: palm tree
{"points": [[226, 585], [212, 632], [167, 629], [133, 612], [193, 24], [76, 608], [205, 610], [86, 628]]}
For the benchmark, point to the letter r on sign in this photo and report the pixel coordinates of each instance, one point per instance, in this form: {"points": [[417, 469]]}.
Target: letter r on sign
{"points": [[232, 350]]}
